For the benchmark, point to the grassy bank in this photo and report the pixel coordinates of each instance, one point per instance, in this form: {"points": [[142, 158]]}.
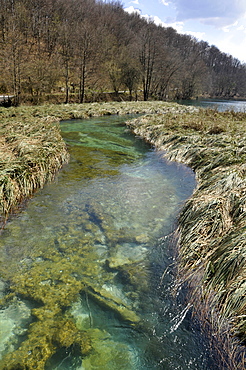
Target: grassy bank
{"points": [[212, 225], [31, 152]]}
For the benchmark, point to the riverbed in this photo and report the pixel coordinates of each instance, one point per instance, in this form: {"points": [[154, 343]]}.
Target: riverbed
{"points": [[94, 253]]}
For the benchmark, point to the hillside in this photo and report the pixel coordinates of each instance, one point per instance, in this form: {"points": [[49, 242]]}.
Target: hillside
{"points": [[89, 50]]}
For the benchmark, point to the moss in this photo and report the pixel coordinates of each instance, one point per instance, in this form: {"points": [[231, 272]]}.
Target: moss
{"points": [[44, 338], [53, 279], [136, 274], [67, 334]]}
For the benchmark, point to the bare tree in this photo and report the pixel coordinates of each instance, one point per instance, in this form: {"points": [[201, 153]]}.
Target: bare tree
{"points": [[147, 57], [95, 45]]}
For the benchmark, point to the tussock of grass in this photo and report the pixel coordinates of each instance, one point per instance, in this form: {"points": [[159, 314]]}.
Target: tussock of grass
{"points": [[212, 225], [31, 152]]}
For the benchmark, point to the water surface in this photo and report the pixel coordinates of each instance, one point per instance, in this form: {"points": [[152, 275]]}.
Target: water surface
{"points": [[218, 104], [89, 263]]}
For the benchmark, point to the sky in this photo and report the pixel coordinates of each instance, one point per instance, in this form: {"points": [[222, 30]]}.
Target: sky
{"points": [[219, 22]]}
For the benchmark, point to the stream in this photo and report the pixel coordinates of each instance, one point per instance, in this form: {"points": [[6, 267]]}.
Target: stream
{"points": [[221, 105], [88, 265]]}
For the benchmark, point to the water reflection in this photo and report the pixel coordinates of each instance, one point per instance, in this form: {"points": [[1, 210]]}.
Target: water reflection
{"points": [[82, 267]]}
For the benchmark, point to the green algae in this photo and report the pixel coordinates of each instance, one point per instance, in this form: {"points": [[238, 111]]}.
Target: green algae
{"points": [[53, 279]]}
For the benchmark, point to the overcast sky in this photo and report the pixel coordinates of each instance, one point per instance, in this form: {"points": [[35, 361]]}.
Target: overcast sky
{"points": [[219, 22]]}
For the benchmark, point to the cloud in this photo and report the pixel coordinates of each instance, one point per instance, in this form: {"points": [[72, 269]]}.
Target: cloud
{"points": [[213, 12], [131, 10], [229, 27], [165, 2], [197, 35], [178, 26], [241, 28], [155, 19], [135, 2], [233, 44]]}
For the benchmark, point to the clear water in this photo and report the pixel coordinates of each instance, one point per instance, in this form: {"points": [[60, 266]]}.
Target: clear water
{"points": [[89, 262], [218, 104]]}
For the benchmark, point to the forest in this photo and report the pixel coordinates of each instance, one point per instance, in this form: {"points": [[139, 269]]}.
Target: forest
{"points": [[88, 50]]}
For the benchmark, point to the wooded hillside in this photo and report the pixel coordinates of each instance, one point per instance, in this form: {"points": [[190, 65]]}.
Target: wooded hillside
{"points": [[77, 50]]}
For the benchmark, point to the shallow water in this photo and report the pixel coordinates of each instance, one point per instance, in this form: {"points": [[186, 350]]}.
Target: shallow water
{"points": [[219, 104], [89, 263]]}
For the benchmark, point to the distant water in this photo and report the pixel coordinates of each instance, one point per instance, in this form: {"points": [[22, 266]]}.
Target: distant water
{"points": [[92, 252], [220, 105]]}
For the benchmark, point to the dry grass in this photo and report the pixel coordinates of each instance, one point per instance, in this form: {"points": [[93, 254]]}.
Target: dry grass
{"points": [[31, 152]]}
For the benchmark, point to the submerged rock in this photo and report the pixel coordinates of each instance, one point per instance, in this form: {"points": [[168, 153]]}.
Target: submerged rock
{"points": [[108, 354], [2, 288], [107, 299], [125, 254], [13, 323]]}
